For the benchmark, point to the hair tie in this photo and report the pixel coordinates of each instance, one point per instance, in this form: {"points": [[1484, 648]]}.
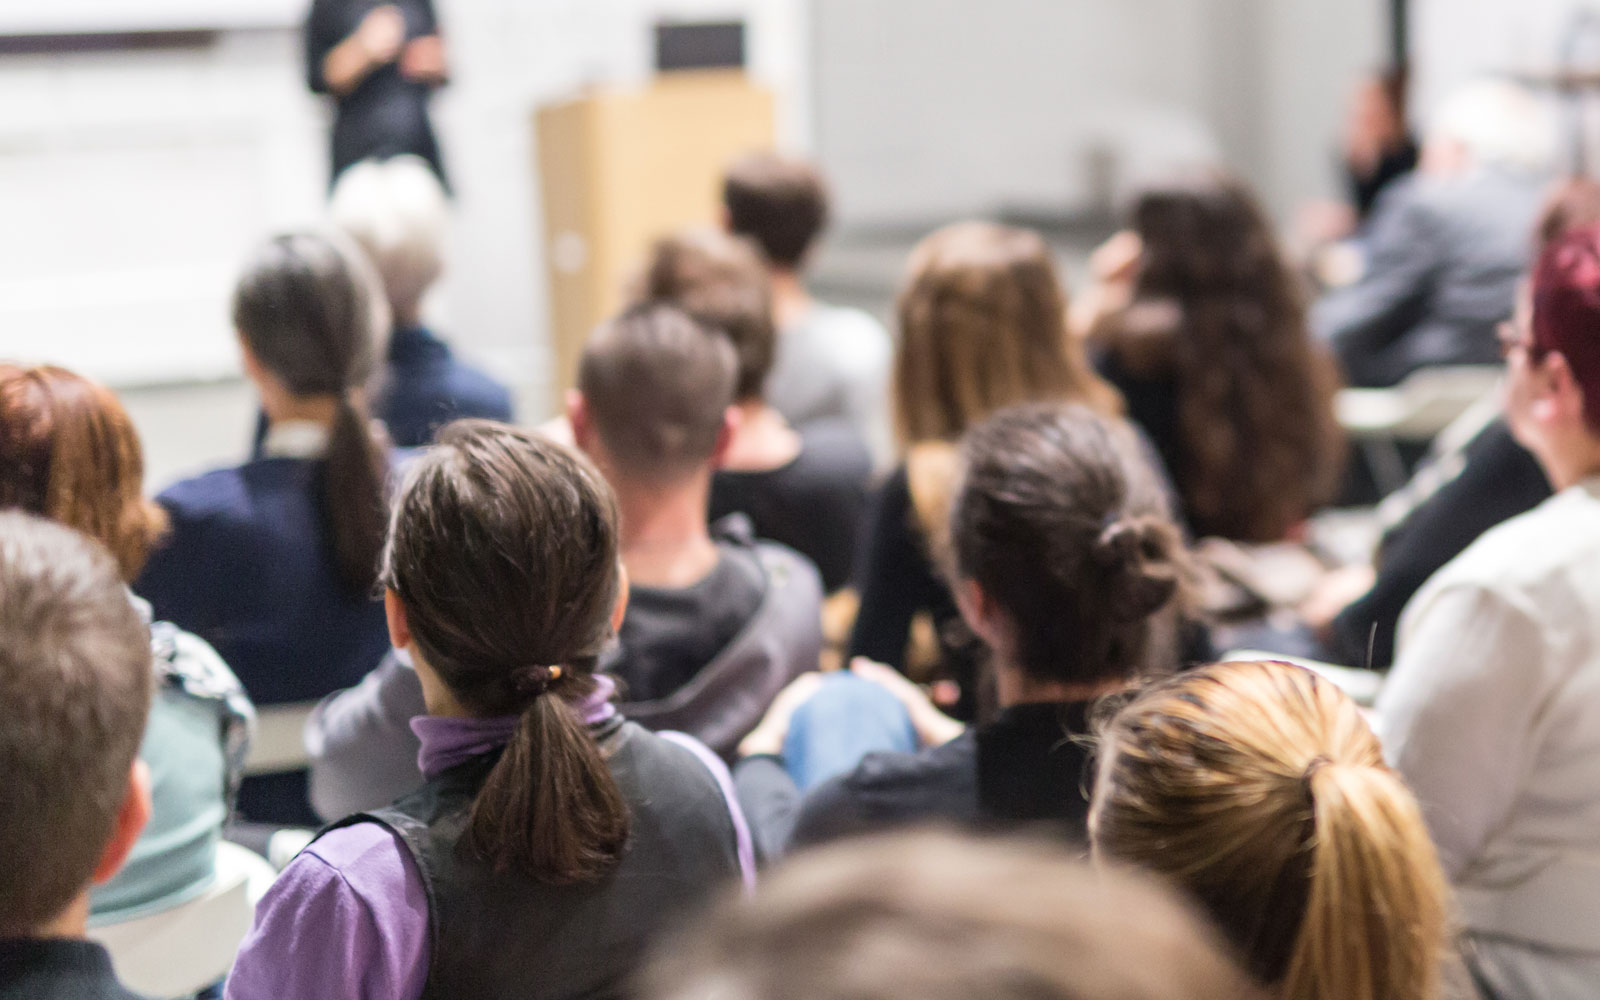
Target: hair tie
{"points": [[534, 681], [1316, 764]]}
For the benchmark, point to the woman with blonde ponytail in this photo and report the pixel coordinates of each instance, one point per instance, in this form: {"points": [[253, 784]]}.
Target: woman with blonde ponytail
{"points": [[551, 838], [1260, 788]]}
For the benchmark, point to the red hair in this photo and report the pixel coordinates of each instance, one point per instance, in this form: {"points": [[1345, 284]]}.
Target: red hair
{"points": [[69, 452], [1566, 310]]}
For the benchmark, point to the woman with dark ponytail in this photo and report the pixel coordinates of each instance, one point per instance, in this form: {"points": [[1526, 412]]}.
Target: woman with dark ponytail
{"points": [[551, 838], [1063, 560], [274, 562]]}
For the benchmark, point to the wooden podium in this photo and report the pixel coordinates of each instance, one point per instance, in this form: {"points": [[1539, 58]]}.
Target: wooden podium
{"points": [[620, 168]]}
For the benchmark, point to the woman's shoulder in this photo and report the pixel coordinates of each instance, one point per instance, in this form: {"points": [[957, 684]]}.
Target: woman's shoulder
{"points": [[236, 491]]}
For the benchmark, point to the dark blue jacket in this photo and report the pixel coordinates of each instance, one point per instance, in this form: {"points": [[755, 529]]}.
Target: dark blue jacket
{"points": [[249, 567], [425, 387]]}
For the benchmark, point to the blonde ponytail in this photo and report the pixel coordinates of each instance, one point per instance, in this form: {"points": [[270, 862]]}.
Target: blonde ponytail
{"points": [[1260, 788], [1375, 908]]}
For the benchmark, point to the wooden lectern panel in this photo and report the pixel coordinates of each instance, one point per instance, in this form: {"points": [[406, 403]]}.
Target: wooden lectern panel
{"points": [[620, 168]]}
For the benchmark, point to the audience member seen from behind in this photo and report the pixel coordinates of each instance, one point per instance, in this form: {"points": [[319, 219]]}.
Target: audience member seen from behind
{"points": [[717, 622], [1067, 565], [804, 488], [1260, 789], [1492, 709], [397, 212], [832, 362], [982, 326], [931, 917], [75, 689], [1468, 487], [68, 452], [273, 562], [1444, 248], [552, 838], [1204, 333]]}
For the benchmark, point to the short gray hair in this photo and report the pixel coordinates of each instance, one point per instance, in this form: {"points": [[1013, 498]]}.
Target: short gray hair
{"points": [[1499, 123], [75, 689], [397, 211]]}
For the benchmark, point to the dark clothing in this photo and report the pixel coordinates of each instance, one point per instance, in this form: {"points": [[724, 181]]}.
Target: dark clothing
{"points": [[249, 567], [502, 935], [896, 580], [1498, 480], [1393, 165], [1029, 768], [1443, 259], [385, 115], [1152, 402], [424, 387], [813, 504], [57, 969], [668, 636]]}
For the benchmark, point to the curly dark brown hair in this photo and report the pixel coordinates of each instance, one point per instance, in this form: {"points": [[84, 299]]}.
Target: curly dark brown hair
{"points": [[1217, 310]]}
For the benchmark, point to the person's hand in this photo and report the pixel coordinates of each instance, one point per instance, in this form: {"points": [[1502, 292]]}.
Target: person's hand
{"points": [[1335, 592], [933, 727], [381, 34], [1116, 261], [768, 736], [423, 60]]}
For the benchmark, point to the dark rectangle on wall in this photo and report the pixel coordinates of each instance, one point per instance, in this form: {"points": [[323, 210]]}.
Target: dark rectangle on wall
{"points": [[111, 41], [700, 45]]}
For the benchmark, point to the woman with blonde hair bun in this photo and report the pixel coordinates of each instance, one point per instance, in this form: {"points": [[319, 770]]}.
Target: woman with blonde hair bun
{"points": [[1260, 788]]}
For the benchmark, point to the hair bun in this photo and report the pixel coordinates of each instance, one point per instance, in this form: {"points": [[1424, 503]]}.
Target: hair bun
{"points": [[1137, 554]]}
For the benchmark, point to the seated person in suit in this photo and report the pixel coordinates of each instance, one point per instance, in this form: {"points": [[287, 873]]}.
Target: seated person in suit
{"points": [[1444, 247], [1064, 559], [272, 562], [74, 695], [934, 917], [717, 622], [1492, 709], [832, 362], [69, 452], [398, 214], [805, 488]]}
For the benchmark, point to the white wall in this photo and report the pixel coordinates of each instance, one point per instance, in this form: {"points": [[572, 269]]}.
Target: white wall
{"points": [[933, 108], [133, 183]]}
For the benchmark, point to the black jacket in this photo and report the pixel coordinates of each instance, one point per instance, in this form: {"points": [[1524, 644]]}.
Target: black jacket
{"points": [[1028, 768]]}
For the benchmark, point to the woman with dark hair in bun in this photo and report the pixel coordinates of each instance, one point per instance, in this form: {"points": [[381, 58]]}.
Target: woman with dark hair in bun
{"points": [[551, 838], [1065, 562]]}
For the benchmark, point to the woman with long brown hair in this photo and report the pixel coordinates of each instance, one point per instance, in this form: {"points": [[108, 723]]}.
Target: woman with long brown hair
{"points": [[982, 322], [69, 452], [1203, 329], [273, 562], [1260, 789], [551, 838]]}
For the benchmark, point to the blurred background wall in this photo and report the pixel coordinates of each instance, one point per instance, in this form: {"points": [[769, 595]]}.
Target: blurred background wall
{"points": [[134, 176]]}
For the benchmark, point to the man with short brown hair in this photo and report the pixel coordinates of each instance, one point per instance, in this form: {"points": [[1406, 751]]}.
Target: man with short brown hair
{"points": [[832, 362], [75, 688]]}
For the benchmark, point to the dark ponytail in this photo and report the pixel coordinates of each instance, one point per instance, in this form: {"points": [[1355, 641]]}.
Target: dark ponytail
{"points": [[503, 551], [309, 309], [1059, 521]]}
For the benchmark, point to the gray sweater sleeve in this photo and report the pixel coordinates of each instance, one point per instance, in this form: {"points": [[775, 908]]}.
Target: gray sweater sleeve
{"points": [[363, 752]]}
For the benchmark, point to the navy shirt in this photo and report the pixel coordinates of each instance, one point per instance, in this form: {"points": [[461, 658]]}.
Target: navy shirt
{"points": [[249, 567], [425, 387]]}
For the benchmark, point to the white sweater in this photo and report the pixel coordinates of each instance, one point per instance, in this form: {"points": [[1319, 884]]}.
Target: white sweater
{"points": [[1492, 714]]}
